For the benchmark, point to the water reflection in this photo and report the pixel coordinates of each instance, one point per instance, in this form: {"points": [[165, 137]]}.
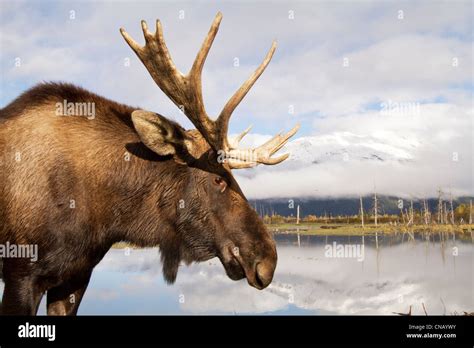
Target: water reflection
{"points": [[403, 271]]}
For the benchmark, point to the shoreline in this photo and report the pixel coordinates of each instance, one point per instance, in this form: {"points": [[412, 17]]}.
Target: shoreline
{"points": [[463, 232]]}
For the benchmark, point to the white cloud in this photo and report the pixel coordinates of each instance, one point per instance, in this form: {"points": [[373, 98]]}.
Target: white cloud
{"points": [[388, 280], [390, 59], [420, 154]]}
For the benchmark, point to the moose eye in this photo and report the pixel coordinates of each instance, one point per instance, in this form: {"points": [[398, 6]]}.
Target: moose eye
{"points": [[218, 181]]}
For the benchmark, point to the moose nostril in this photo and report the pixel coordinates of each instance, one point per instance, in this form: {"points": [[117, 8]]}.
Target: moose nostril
{"points": [[264, 274]]}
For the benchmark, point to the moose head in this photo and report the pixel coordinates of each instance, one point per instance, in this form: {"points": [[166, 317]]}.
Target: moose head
{"points": [[175, 190], [218, 220]]}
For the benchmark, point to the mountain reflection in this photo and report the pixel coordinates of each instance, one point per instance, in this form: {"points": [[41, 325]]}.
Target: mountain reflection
{"points": [[389, 279]]}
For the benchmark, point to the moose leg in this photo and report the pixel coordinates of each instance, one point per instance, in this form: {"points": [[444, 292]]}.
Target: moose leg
{"points": [[66, 298], [21, 296]]}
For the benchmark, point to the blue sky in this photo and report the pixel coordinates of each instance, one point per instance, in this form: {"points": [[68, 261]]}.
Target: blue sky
{"points": [[336, 62]]}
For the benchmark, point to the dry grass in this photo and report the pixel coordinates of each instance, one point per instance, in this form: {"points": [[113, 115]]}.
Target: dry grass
{"points": [[358, 230]]}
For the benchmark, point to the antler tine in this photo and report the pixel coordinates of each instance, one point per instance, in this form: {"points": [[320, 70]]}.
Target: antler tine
{"points": [[224, 117], [146, 34], [234, 143], [131, 42], [202, 121], [198, 64], [247, 158], [278, 141]]}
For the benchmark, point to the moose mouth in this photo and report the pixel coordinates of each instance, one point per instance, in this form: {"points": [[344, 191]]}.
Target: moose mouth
{"points": [[236, 268]]}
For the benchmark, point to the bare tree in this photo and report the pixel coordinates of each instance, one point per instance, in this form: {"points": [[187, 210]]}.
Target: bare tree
{"points": [[445, 213], [440, 207], [401, 212], [425, 211], [470, 219], [408, 218], [452, 209], [375, 208], [298, 214]]}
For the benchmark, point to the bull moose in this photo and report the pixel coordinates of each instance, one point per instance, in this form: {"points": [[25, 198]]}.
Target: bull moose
{"points": [[74, 186]]}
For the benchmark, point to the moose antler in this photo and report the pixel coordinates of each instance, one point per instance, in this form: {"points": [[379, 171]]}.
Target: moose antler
{"points": [[186, 92]]}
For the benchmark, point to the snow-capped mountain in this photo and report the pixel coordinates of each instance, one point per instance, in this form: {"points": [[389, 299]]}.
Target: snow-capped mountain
{"points": [[347, 146]]}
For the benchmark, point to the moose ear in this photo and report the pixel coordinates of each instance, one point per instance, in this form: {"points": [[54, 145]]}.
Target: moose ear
{"points": [[159, 134]]}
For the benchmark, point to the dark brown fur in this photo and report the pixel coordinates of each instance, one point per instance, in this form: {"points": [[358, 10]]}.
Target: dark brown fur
{"points": [[68, 159]]}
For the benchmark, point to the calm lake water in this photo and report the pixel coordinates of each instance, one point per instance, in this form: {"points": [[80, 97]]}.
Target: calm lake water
{"points": [[389, 279]]}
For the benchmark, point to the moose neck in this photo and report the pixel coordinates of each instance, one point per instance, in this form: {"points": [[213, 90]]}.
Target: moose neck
{"points": [[145, 190]]}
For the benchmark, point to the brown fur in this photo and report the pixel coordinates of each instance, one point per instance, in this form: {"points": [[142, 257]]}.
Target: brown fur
{"points": [[67, 159]]}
